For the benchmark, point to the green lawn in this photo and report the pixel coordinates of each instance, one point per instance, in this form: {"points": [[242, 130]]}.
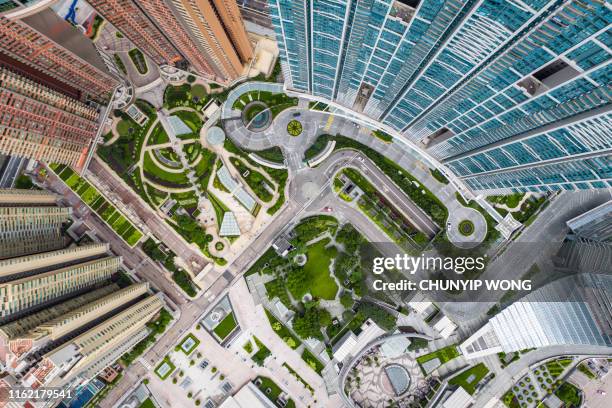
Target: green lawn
{"points": [[92, 197], [569, 394], [262, 352], [158, 173], [123, 127], [218, 206], [226, 326], [138, 60], [158, 136], [445, 354], [312, 361], [274, 391], [165, 361], [478, 372], [147, 404], [277, 102], [192, 120], [198, 91], [319, 283], [190, 349]]}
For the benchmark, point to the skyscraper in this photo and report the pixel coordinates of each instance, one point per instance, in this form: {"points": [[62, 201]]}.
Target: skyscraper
{"points": [[595, 224], [570, 311], [43, 124], [129, 18], [219, 31], [50, 51], [64, 315], [50, 74], [30, 222], [508, 96], [208, 34]]}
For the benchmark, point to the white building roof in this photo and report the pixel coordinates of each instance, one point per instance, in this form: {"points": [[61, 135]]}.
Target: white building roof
{"points": [[248, 396], [226, 179], [245, 198], [445, 327], [215, 136], [229, 226], [394, 347], [350, 344], [458, 399], [345, 346], [419, 307]]}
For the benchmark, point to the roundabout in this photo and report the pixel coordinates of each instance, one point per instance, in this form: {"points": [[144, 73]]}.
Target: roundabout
{"points": [[294, 128]]}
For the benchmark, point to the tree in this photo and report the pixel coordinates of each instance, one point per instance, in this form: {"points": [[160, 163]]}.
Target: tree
{"points": [[344, 264], [310, 322], [382, 317], [296, 282], [350, 238], [346, 300], [191, 79]]}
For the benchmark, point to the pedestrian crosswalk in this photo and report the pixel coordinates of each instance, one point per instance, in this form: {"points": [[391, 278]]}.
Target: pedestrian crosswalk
{"points": [[330, 121]]}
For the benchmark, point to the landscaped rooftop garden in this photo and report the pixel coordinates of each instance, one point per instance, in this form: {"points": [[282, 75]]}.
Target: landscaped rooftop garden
{"points": [[382, 212], [305, 278], [165, 368], [275, 102], [226, 326], [188, 344], [444, 355], [418, 193], [470, 378], [105, 210]]}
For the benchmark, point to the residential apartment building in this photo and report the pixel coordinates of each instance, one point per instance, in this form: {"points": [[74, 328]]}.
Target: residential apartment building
{"points": [[30, 222], [217, 27], [208, 34], [50, 51], [64, 313], [131, 20], [22, 337], [67, 362], [40, 123], [52, 80], [594, 225], [508, 97], [574, 310], [34, 289], [256, 12]]}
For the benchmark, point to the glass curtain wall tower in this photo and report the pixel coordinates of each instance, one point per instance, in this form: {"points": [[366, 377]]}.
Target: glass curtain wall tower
{"points": [[508, 94]]}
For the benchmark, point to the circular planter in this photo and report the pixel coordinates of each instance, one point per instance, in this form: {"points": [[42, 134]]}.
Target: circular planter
{"points": [[294, 128], [466, 228]]}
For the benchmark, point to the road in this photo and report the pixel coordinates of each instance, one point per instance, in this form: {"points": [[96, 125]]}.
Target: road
{"points": [[309, 191]]}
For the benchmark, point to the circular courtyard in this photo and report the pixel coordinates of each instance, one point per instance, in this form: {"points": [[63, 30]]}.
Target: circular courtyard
{"points": [[256, 116], [387, 375]]}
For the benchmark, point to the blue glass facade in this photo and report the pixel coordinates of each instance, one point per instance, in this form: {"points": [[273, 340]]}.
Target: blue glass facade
{"points": [[490, 88]]}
